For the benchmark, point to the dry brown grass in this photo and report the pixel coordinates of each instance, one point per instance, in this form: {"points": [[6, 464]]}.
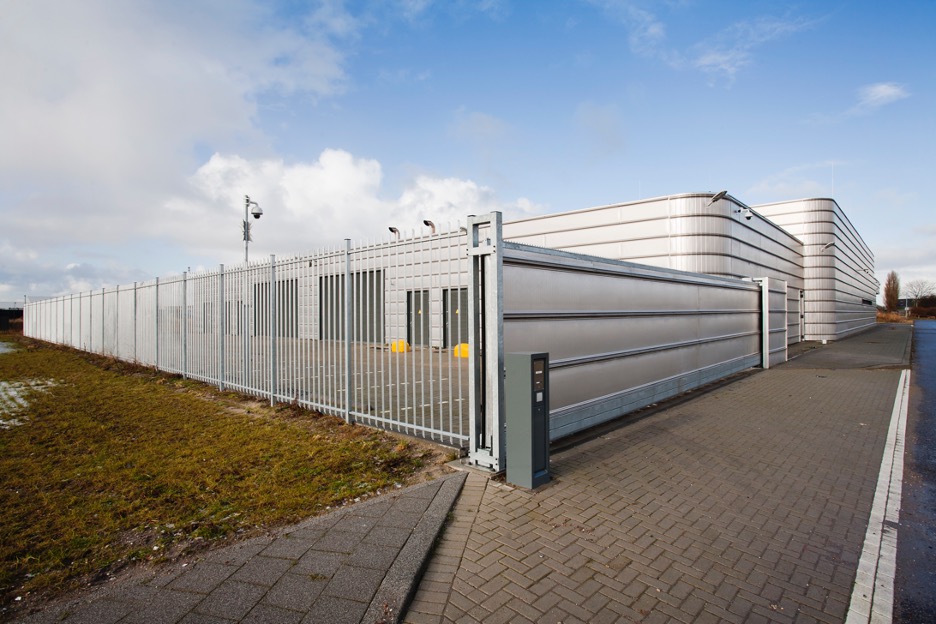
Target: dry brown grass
{"points": [[892, 317], [116, 464]]}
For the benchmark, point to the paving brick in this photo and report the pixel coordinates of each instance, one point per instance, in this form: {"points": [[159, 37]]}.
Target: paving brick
{"points": [[678, 506], [295, 591], [338, 542], [267, 614], [263, 570], [335, 610], [289, 546], [357, 584], [167, 607], [231, 600], [202, 577]]}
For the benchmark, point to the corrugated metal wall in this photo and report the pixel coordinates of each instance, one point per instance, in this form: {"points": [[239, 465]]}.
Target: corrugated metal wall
{"points": [[684, 232], [839, 267], [621, 336]]}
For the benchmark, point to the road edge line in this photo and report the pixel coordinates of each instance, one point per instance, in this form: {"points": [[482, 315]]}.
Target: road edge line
{"points": [[872, 599]]}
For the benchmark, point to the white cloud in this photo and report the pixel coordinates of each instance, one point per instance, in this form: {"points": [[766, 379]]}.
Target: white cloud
{"points": [[308, 205], [451, 200], [116, 96], [412, 9], [721, 55], [732, 49], [800, 181], [106, 104], [646, 32], [874, 96]]}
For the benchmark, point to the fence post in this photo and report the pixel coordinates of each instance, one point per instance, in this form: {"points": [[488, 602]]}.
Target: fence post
{"points": [[117, 323], [185, 325], [136, 358], [272, 311], [103, 321], [156, 323], [221, 327], [349, 381]]}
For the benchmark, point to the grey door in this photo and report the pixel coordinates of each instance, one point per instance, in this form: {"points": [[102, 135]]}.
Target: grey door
{"points": [[417, 317], [455, 315]]}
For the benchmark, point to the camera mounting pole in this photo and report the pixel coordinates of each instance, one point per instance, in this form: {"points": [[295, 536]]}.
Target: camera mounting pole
{"points": [[256, 212]]}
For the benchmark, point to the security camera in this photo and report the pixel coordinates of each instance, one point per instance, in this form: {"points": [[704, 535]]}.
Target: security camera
{"points": [[256, 211], [746, 212]]}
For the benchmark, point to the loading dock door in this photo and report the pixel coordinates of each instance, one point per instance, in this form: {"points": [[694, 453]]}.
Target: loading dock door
{"points": [[417, 317], [455, 314]]}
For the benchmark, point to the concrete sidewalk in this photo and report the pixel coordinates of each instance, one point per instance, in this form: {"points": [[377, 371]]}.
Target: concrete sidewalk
{"points": [[748, 503], [358, 564]]}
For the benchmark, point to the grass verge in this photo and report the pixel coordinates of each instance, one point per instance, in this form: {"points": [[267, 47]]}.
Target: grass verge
{"points": [[893, 317], [115, 464]]}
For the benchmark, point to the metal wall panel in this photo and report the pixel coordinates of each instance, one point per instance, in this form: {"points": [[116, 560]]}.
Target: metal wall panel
{"points": [[683, 232], [838, 267], [621, 335]]}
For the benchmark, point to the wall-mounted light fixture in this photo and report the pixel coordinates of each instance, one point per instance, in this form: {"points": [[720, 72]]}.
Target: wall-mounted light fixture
{"points": [[431, 225], [395, 231], [716, 197]]}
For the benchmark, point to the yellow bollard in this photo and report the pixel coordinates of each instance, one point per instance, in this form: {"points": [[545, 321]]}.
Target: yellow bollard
{"points": [[399, 346], [460, 350]]}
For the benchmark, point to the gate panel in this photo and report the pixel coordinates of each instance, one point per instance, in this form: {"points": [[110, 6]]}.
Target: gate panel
{"points": [[621, 336]]}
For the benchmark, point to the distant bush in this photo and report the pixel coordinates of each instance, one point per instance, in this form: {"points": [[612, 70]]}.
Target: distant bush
{"points": [[923, 312], [891, 317]]}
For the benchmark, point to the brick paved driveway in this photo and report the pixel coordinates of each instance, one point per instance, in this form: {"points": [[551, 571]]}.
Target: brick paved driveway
{"points": [[746, 504]]}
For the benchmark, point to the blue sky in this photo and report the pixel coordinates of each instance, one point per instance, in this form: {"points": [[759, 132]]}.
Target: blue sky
{"points": [[132, 129]]}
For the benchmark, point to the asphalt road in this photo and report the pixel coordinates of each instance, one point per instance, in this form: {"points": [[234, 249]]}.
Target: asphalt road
{"points": [[915, 584]]}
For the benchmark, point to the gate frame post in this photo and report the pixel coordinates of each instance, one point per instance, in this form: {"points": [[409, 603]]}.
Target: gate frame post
{"points": [[486, 342]]}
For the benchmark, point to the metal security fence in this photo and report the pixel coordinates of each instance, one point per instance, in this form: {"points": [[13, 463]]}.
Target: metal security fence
{"points": [[376, 333], [411, 334]]}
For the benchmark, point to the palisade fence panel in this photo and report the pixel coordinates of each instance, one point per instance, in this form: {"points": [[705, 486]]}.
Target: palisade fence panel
{"points": [[170, 313], [77, 318], [145, 323], [126, 330], [335, 331], [110, 319]]}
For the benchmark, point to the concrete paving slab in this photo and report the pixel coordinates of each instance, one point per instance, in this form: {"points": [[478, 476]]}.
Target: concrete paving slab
{"points": [[335, 568]]}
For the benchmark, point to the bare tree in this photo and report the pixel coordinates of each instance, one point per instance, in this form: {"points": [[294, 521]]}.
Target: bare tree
{"points": [[917, 289], [891, 291]]}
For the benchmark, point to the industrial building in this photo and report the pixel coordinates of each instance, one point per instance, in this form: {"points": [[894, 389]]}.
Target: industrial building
{"points": [[633, 303], [810, 244]]}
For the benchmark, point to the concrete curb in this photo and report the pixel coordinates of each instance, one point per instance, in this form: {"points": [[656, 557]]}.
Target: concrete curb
{"points": [[399, 585]]}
